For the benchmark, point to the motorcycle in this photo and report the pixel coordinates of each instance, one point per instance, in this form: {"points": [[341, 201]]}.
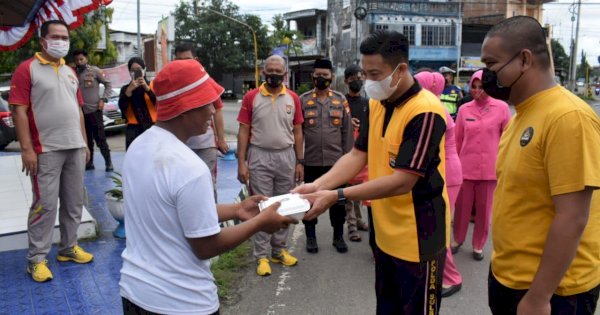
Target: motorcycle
{"points": [[597, 90]]}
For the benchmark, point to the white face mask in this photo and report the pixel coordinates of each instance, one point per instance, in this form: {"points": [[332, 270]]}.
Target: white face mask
{"points": [[57, 48], [381, 90]]}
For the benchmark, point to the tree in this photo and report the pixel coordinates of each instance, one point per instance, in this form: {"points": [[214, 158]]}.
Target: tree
{"points": [[559, 56], [283, 36], [583, 66], [224, 46], [86, 36]]}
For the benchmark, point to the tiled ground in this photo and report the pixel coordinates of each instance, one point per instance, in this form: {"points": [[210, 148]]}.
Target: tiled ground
{"points": [[83, 289]]}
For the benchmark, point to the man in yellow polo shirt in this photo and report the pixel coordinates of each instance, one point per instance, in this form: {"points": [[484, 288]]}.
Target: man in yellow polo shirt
{"points": [[402, 138], [546, 214]]}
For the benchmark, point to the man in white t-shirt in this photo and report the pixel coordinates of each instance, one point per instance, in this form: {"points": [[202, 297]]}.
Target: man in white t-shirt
{"points": [[173, 221]]}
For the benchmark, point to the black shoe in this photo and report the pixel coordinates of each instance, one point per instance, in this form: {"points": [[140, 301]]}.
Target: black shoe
{"points": [[89, 167], [340, 245], [455, 249], [446, 292], [109, 168], [311, 245], [478, 256]]}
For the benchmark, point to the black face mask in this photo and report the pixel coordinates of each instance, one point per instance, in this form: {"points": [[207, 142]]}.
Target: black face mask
{"points": [[355, 86], [274, 80], [321, 83], [491, 86], [80, 68]]}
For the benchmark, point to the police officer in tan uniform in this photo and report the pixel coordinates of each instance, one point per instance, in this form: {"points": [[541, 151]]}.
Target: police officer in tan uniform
{"points": [[327, 136], [90, 78]]}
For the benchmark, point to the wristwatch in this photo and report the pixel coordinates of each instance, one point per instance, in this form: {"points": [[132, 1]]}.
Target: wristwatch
{"points": [[104, 99], [341, 196], [300, 161]]}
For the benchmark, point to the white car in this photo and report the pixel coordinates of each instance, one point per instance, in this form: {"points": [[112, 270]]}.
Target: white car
{"points": [[112, 118]]}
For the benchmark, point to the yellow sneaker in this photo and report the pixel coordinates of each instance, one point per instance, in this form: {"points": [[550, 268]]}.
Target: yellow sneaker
{"points": [[77, 254], [39, 272], [263, 268], [284, 258]]}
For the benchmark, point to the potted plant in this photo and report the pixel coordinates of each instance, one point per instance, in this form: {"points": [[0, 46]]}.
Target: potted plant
{"points": [[114, 203]]}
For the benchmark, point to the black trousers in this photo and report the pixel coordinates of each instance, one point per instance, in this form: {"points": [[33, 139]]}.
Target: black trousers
{"points": [[504, 301], [131, 309], [404, 287], [94, 129], [337, 212]]}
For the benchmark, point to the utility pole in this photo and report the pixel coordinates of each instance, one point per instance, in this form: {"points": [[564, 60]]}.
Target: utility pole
{"points": [[574, 53], [570, 73], [139, 34]]}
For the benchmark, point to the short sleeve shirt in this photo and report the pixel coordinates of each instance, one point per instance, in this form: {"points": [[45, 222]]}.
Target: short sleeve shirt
{"points": [[271, 117], [89, 83], [408, 135], [550, 147], [168, 197], [51, 93]]}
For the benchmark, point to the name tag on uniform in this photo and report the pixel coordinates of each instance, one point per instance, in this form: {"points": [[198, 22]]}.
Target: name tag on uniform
{"points": [[335, 113], [471, 119], [310, 103]]}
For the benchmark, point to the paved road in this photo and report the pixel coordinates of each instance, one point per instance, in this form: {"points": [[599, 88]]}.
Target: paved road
{"points": [[333, 283]]}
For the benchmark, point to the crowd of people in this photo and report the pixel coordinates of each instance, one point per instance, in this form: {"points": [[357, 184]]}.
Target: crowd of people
{"points": [[418, 156]]}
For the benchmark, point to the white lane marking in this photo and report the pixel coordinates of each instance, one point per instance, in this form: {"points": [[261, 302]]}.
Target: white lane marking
{"points": [[286, 275]]}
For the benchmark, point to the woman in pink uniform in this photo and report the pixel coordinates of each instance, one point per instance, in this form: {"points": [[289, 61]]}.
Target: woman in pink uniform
{"points": [[434, 82], [479, 125]]}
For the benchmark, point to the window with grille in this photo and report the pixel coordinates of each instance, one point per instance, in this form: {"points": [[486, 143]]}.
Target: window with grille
{"points": [[433, 35], [409, 32]]}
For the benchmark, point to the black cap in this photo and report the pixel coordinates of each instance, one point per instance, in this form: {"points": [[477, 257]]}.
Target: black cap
{"points": [[323, 64]]}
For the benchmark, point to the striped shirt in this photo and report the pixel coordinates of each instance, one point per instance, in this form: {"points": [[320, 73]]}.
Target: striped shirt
{"points": [[51, 93], [408, 135]]}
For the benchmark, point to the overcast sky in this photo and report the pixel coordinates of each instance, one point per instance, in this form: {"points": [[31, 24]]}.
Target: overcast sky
{"points": [[556, 14]]}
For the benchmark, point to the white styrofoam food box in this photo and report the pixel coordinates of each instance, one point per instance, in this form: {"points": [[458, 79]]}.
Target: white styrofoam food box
{"points": [[292, 205]]}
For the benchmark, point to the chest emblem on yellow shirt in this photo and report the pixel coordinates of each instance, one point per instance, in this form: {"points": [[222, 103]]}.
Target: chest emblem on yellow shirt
{"points": [[288, 109], [526, 136]]}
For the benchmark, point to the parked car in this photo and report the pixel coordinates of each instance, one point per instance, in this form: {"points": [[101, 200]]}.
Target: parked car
{"points": [[113, 120], [228, 95], [7, 127]]}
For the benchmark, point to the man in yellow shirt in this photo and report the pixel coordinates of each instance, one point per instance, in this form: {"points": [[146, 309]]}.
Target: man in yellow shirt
{"points": [[402, 140], [546, 214]]}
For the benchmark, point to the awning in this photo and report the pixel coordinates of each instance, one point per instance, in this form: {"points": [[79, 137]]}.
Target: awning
{"points": [[19, 19]]}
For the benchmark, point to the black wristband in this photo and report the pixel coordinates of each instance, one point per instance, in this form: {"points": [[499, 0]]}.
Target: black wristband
{"points": [[341, 196]]}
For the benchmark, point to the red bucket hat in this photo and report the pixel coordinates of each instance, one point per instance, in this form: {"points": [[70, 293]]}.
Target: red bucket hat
{"points": [[183, 85]]}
